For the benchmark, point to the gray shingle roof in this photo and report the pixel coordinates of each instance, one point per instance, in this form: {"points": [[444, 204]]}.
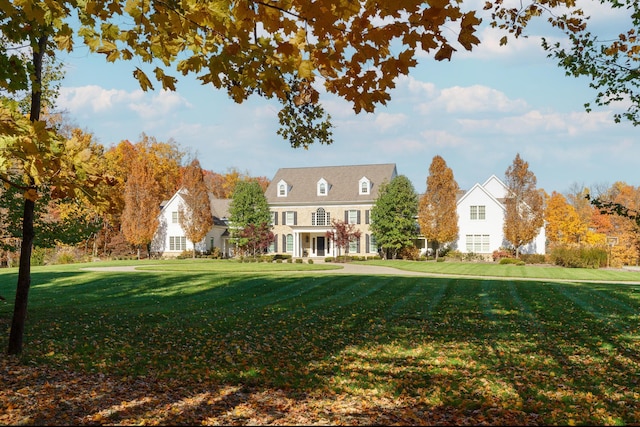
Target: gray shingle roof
{"points": [[343, 183], [219, 209]]}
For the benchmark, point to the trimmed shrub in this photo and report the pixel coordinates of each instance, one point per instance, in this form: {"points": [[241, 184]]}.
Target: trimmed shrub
{"points": [[513, 261], [571, 257], [309, 261], [299, 261], [533, 258]]}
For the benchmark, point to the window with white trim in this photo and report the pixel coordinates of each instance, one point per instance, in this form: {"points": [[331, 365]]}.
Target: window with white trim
{"points": [[289, 242], [322, 187], [290, 218], [177, 243], [175, 217], [477, 212], [373, 246], [320, 217], [353, 216], [283, 188], [354, 246], [364, 185], [478, 243]]}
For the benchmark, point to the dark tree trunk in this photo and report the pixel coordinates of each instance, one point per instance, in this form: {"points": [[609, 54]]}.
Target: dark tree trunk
{"points": [[24, 280], [24, 270]]}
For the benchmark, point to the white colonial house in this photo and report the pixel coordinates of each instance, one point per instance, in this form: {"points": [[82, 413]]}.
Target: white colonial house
{"points": [[303, 201], [170, 239], [481, 212]]}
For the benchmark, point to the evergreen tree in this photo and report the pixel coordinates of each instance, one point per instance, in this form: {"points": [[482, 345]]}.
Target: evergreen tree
{"points": [[393, 222], [249, 210]]}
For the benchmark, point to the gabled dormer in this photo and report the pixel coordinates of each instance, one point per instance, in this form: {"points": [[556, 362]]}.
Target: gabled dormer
{"points": [[322, 187], [283, 188], [364, 186]]}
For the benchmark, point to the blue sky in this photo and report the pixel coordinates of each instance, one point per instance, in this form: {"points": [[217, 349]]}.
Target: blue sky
{"points": [[477, 111]]}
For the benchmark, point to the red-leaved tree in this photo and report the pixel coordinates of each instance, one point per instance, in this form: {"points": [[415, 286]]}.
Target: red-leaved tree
{"points": [[342, 234]]}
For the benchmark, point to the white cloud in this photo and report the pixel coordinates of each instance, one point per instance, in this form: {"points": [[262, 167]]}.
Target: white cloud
{"points": [[386, 121], [156, 106], [159, 105], [95, 98], [441, 138], [477, 98]]}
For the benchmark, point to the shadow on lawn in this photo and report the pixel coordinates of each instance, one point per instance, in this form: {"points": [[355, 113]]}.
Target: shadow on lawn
{"points": [[193, 348]]}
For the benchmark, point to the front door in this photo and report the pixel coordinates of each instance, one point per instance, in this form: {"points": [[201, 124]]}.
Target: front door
{"points": [[320, 246]]}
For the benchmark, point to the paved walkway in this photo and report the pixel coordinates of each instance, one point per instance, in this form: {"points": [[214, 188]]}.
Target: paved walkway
{"points": [[348, 268]]}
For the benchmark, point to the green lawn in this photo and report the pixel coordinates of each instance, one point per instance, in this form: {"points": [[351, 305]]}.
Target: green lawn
{"points": [[231, 343], [509, 270]]}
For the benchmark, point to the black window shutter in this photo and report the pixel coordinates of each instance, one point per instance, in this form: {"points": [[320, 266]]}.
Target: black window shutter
{"points": [[358, 217], [295, 218], [275, 217], [284, 243], [367, 242], [275, 242], [366, 216], [346, 216], [284, 218]]}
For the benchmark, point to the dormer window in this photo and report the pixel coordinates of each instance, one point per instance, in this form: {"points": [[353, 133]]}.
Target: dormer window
{"points": [[323, 187], [283, 188], [364, 186]]}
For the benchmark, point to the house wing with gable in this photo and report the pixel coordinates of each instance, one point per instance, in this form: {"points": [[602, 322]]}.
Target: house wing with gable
{"points": [[481, 213], [170, 239], [303, 201]]}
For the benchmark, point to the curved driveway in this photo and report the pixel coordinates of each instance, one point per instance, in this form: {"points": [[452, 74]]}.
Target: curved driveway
{"points": [[348, 268]]}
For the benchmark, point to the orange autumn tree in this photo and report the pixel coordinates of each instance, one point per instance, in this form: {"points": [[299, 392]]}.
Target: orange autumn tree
{"points": [[141, 206], [563, 224], [620, 206], [163, 159], [195, 216], [437, 212], [524, 205], [274, 50]]}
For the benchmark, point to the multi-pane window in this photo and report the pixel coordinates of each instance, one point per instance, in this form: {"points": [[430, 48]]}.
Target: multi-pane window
{"points": [[177, 243], [174, 217], [282, 190], [290, 218], [477, 212], [364, 187], [289, 242], [353, 216], [322, 189], [373, 246], [478, 243], [320, 217]]}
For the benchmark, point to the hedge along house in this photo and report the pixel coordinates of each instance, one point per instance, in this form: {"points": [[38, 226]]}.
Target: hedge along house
{"points": [[170, 239], [303, 202]]}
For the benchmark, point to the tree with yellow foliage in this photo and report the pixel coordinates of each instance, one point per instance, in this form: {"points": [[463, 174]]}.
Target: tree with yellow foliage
{"points": [[563, 225], [524, 207], [274, 49], [437, 211]]}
